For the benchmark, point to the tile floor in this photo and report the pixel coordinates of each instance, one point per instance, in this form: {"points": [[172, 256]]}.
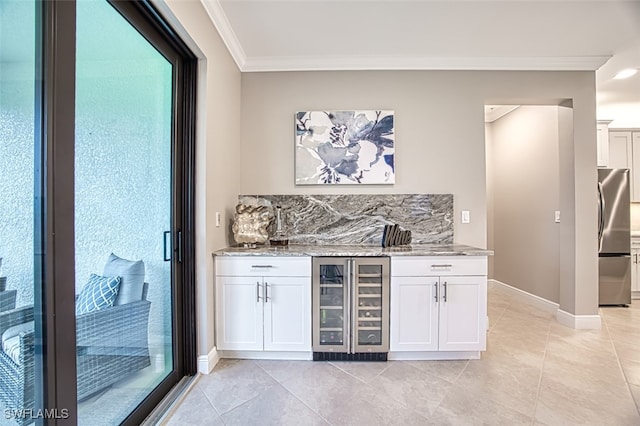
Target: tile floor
{"points": [[534, 372]]}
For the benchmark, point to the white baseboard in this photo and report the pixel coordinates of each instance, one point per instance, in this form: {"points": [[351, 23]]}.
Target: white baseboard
{"points": [[207, 362], [581, 322], [432, 355], [526, 297], [280, 355]]}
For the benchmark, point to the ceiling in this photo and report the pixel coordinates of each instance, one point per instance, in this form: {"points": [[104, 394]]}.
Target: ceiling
{"points": [[293, 35]]}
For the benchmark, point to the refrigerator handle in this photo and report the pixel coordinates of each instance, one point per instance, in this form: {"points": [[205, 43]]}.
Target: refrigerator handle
{"points": [[601, 207]]}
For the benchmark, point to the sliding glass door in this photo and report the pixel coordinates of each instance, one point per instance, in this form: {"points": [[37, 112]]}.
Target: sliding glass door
{"points": [[21, 364], [123, 207], [96, 211]]}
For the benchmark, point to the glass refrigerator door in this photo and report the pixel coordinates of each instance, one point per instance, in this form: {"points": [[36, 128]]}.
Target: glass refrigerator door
{"points": [[371, 309], [330, 293]]}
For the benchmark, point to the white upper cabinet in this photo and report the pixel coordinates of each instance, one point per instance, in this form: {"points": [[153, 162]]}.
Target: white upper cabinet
{"points": [[635, 166], [620, 150], [624, 153], [602, 129]]}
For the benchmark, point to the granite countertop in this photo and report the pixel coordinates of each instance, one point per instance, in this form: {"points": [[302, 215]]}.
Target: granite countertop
{"points": [[356, 250]]}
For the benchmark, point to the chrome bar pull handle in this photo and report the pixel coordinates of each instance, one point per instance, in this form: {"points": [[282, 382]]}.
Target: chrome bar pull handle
{"points": [[444, 296], [266, 292], [258, 292], [262, 266], [436, 286]]}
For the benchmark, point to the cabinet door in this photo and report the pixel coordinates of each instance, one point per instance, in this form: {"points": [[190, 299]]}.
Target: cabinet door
{"points": [[620, 150], [602, 138], [370, 296], [330, 300], [239, 313], [635, 167], [287, 314], [414, 314], [463, 312]]}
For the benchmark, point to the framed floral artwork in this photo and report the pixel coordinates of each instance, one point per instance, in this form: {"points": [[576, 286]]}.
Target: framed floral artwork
{"points": [[345, 147]]}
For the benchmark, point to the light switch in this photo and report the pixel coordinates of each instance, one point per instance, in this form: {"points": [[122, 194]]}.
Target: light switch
{"points": [[218, 220], [557, 216], [465, 216]]}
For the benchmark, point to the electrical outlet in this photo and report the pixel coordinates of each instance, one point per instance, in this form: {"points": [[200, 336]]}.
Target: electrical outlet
{"points": [[465, 216], [557, 216], [218, 219]]}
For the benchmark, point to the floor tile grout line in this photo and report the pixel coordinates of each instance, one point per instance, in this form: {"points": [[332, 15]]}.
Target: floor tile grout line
{"points": [[544, 358], [305, 404], [463, 370], [615, 351], [450, 389], [356, 377], [365, 383], [212, 405], [504, 311], [243, 403], [294, 395]]}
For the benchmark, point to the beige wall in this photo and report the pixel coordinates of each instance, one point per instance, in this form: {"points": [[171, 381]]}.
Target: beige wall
{"points": [[217, 149], [489, 147], [523, 176], [245, 145], [439, 144]]}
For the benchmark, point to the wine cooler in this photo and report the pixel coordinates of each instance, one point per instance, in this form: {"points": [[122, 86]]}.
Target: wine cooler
{"points": [[350, 308]]}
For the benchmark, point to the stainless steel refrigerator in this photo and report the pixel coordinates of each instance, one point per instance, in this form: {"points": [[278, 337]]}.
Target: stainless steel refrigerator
{"points": [[614, 237]]}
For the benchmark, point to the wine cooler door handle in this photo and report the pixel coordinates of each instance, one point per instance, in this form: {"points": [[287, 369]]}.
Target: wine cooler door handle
{"points": [[258, 291], [444, 296], [436, 286], [351, 307]]}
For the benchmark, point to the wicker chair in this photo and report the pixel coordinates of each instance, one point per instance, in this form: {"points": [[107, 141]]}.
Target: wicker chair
{"points": [[111, 344]]}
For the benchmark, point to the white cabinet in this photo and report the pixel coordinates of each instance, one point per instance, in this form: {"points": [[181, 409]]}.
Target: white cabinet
{"points": [[635, 166], [414, 314], [463, 312], [263, 303], [620, 154], [239, 313], [602, 138], [438, 303], [287, 314], [624, 153]]}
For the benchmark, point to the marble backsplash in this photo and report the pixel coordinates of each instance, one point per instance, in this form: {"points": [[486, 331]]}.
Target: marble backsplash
{"points": [[360, 219]]}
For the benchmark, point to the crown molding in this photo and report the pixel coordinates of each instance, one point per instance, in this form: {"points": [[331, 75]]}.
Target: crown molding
{"points": [[357, 63], [221, 22]]}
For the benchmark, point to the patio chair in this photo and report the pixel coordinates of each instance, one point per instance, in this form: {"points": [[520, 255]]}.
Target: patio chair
{"points": [[112, 343]]}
